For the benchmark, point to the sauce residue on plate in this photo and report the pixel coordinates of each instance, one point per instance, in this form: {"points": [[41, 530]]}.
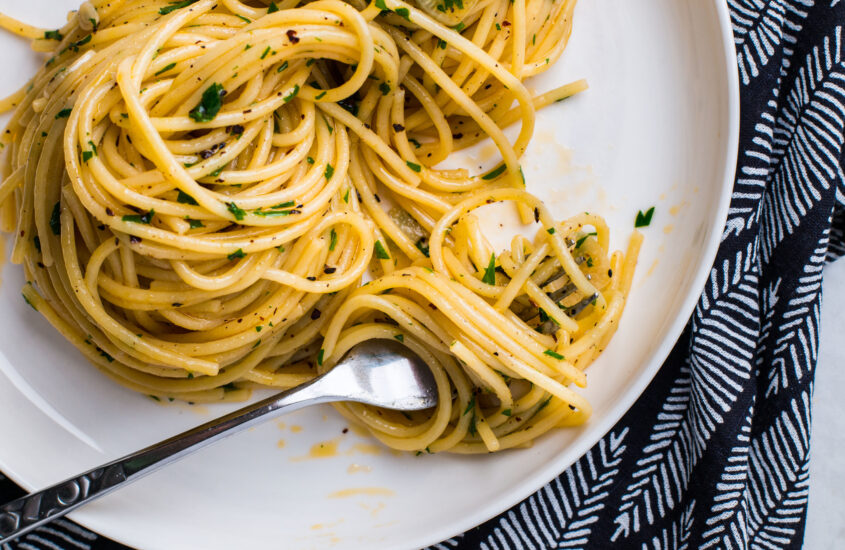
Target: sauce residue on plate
{"points": [[365, 491], [356, 468]]}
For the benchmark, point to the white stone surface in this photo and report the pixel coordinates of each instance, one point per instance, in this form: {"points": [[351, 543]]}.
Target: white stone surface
{"points": [[826, 514]]}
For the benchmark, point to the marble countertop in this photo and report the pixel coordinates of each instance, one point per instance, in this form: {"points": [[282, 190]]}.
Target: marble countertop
{"points": [[826, 513]]}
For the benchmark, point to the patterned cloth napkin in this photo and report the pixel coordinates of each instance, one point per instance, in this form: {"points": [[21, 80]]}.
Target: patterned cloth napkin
{"points": [[715, 453]]}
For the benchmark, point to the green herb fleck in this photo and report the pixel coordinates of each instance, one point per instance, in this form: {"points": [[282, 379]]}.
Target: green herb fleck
{"points": [[320, 95], [265, 52], [175, 6], [210, 104], [381, 252], [506, 412], [404, 13], [293, 93], [64, 113], [52, 35], [384, 88], [273, 8], [644, 220], [554, 354], [490, 271], [470, 405], [282, 67], [320, 357], [493, 174], [56, 219], [400, 337], [165, 69], [185, 198], [237, 254], [581, 240], [413, 166], [346, 196], [333, 240], [140, 218], [236, 212], [195, 224], [329, 171]]}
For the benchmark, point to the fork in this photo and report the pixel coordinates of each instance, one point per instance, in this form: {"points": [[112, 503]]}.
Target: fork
{"points": [[382, 373]]}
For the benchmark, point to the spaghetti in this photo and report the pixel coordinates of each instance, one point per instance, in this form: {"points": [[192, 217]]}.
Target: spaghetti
{"points": [[197, 189]]}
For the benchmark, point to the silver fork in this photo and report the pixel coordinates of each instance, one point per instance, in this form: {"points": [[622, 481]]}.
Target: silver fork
{"points": [[381, 373]]}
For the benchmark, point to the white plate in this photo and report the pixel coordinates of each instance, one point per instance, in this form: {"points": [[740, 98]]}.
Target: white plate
{"points": [[657, 127]]}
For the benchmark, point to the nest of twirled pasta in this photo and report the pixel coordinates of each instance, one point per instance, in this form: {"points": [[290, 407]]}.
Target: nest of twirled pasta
{"points": [[198, 189]]}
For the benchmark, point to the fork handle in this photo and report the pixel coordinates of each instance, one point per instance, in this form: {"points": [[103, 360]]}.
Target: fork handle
{"points": [[33, 510]]}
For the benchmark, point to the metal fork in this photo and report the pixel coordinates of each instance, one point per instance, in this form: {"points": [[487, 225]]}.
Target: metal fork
{"points": [[381, 373]]}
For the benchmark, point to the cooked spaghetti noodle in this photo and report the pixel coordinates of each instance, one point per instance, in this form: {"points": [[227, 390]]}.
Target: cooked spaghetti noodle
{"points": [[197, 189]]}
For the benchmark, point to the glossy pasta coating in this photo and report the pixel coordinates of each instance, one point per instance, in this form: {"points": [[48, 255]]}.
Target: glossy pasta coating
{"points": [[197, 190]]}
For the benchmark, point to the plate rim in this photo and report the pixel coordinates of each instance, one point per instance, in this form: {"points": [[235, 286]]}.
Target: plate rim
{"points": [[539, 478]]}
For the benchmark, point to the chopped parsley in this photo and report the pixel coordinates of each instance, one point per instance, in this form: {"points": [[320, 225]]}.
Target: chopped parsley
{"points": [[282, 67], [56, 219], [333, 239], [400, 337], [140, 218], [506, 412], [265, 52], [185, 198], [320, 357], [293, 93], [175, 6], [210, 104], [52, 35], [550, 231], [64, 113], [329, 171], [470, 405], [239, 253], [165, 69], [490, 271], [273, 8], [554, 354], [413, 166], [346, 196], [236, 212], [644, 220], [195, 224], [384, 88], [381, 252], [404, 13], [495, 173], [320, 95], [581, 240]]}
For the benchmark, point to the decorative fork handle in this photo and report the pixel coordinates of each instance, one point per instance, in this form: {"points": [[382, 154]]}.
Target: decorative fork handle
{"points": [[28, 512]]}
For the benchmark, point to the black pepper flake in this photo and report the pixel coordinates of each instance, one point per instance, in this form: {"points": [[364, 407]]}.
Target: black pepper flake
{"points": [[213, 149], [345, 430], [315, 314], [398, 128], [236, 129], [329, 270], [610, 273], [134, 240], [291, 34], [536, 214], [457, 136], [311, 278], [378, 199]]}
